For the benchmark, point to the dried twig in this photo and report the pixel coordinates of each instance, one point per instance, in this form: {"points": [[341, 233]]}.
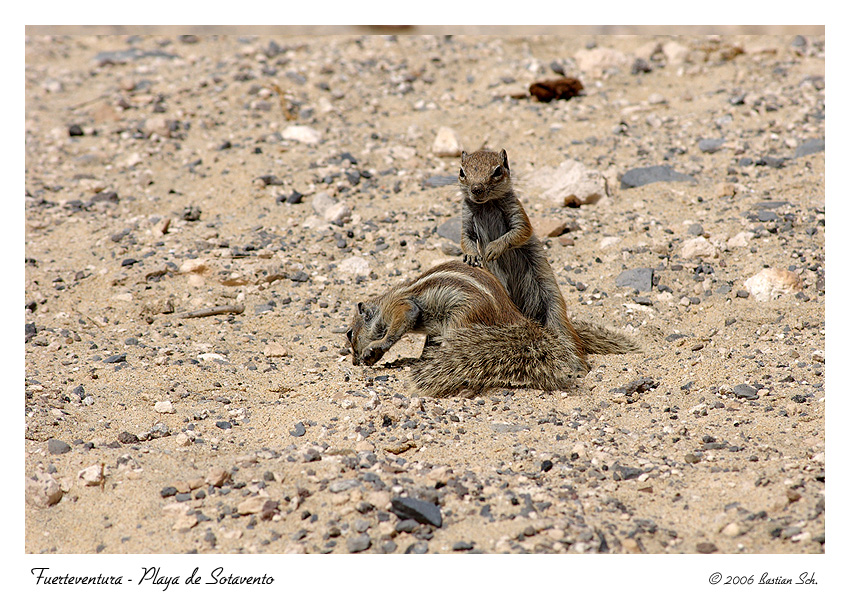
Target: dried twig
{"points": [[213, 310]]}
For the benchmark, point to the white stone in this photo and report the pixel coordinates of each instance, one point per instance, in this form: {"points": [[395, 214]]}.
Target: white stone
{"points": [[164, 407], [42, 490], [338, 213], [356, 265], [608, 241], [675, 52], [212, 356], [447, 143], [571, 183], [194, 265], [771, 283], [597, 60], [697, 247], [275, 349], [92, 475], [302, 133], [740, 239], [322, 202]]}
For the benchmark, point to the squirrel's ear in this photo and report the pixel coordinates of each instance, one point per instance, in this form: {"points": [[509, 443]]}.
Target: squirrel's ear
{"points": [[463, 155], [504, 156]]}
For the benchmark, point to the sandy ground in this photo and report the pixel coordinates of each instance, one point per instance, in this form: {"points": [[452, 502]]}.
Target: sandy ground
{"points": [[160, 175]]}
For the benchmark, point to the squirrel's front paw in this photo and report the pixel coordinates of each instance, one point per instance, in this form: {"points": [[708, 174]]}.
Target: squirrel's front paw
{"points": [[473, 260], [492, 252]]}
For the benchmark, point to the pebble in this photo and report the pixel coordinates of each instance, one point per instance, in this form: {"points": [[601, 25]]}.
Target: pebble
{"points": [[275, 350], [164, 407], [810, 147], [55, 446], [742, 390], [92, 475], [358, 543], [298, 430], [447, 143], [711, 145], [356, 266], [42, 490], [640, 279], [450, 229], [217, 477], [419, 510], [571, 184], [771, 283], [740, 240], [645, 175], [697, 247], [302, 134]]}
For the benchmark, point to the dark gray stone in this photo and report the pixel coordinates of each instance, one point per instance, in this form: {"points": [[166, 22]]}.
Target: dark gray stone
{"points": [[639, 279], [450, 229], [299, 430], [55, 446], [645, 175], [810, 147], [621, 473], [711, 145], [119, 57], [418, 510], [358, 543], [440, 180], [742, 390]]}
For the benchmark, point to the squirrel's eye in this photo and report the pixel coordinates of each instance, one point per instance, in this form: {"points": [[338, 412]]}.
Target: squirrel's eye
{"points": [[497, 172], [462, 175]]}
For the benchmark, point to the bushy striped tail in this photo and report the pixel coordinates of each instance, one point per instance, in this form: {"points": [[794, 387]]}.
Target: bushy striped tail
{"points": [[596, 339], [473, 359]]}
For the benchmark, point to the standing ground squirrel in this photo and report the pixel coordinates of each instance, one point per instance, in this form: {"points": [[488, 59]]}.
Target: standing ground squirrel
{"points": [[476, 337], [495, 231]]}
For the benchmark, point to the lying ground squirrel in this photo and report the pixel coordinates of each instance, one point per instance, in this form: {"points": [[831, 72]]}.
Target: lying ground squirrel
{"points": [[476, 337], [496, 232]]}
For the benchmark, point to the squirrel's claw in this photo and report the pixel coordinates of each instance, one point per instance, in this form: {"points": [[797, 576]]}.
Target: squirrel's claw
{"points": [[473, 260]]}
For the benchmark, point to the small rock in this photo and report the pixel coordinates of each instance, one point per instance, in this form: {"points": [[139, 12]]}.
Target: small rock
{"points": [[92, 475], [55, 446], [358, 543], [697, 247], [275, 349], [42, 490], [810, 147], [771, 283], [252, 505], [740, 239], [711, 145], [355, 265], [322, 202], [639, 279], [596, 61], [447, 143], [164, 407], [217, 477], [450, 229], [338, 213], [732, 530], [571, 184], [302, 134], [706, 548], [125, 437], [646, 175], [549, 227], [298, 430], [742, 390], [419, 510]]}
